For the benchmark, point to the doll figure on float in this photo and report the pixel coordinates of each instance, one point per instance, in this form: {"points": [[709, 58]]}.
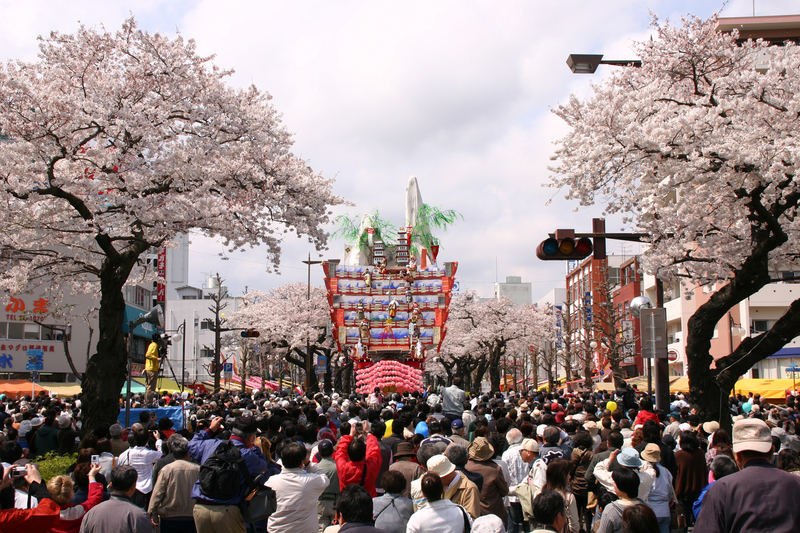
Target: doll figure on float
{"points": [[393, 308], [382, 266], [364, 331], [368, 279]]}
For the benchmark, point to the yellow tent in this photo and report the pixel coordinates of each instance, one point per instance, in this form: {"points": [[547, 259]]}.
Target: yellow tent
{"points": [[772, 389], [163, 384], [679, 385], [62, 390]]}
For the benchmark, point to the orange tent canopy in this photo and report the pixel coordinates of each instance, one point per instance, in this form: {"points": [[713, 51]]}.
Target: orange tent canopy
{"points": [[12, 387]]}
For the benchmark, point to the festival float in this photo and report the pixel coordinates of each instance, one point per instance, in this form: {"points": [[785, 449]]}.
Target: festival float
{"points": [[389, 298]]}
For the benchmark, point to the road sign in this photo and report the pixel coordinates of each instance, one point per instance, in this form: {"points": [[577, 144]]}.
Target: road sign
{"points": [[35, 360], [486, 387], [654, 333], [793, 368], [673, 356], [34, 376], [322, 364], [227, 370]]}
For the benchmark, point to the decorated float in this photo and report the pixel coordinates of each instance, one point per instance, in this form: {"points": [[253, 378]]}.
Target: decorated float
{"points": [[389, 298]]}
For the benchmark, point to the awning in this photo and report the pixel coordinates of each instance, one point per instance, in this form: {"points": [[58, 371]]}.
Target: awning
{"points": [[163, 384], [136, 388], [62, 390], [773, 389], [13, 387]]}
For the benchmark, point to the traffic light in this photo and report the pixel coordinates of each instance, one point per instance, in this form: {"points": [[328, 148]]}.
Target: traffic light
{"points": [[250, 333], [564, 246]]}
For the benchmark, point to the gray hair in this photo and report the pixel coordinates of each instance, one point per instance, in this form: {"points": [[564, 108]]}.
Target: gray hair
{"points": [[457, 454], [178, 446], [425, 452], [115, 431], [514, 436]]}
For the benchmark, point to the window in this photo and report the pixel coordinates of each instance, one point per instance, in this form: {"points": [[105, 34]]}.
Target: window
{"points": [[31, 332], [206, 352], [206, 323], [759, 326], [188, 297], [3, 330], [16, 330]]}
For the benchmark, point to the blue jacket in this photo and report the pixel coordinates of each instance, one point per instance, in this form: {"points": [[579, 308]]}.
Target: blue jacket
{"points": [[203, 445]]}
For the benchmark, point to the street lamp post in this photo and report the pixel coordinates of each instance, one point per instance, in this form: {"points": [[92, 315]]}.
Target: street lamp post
{"points": [[309, 362]]}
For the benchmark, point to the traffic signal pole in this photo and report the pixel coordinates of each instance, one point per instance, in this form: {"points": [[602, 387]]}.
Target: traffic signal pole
{"points": [[567, 244]]}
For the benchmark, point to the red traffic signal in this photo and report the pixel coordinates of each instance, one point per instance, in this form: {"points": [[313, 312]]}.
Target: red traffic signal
{"points": [[564, 246], [250, 333]]}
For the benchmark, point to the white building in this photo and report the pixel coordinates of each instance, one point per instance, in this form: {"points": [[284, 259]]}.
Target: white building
{"points": [[749, 318], [515, 290]]}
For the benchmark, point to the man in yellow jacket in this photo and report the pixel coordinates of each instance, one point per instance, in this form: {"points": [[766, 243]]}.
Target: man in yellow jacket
{"points": [[151, 365]]}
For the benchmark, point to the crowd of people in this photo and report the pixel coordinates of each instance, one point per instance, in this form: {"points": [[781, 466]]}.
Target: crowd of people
{"points": [[439, 461]]}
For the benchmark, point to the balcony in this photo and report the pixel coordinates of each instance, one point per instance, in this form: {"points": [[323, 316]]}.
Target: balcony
{"points": [[776, 295]]}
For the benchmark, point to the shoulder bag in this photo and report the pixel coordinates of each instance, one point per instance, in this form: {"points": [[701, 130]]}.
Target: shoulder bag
{"points": [[260, 501]]}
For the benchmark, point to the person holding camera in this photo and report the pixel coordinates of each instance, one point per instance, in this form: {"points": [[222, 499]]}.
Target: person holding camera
{"points": [[358, 462], [39, 519], [151, 366], [212, 513]]}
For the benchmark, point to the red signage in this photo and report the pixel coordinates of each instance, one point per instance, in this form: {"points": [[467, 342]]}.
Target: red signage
{"points": [[161, 296]]}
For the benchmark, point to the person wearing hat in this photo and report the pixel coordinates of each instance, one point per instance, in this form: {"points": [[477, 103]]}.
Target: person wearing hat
{"points": [[626, 458], [661, 492], [224, 516], [495, 486], [760, 497], [458, 430], [67, 435], [405, 465], [457, 488]]}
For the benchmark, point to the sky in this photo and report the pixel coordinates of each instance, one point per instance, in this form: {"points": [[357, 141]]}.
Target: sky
{"points": [[456, 93]]}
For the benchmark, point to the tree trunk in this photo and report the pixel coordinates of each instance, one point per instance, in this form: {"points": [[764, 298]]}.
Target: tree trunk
{"points": [[494, 374], [106, 370]]}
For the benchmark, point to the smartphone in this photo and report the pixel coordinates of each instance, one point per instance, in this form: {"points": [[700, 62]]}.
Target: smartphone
{"points": [[95, 459], [19, 471]]}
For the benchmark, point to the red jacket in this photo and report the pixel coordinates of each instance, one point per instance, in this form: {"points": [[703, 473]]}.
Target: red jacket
{"points": [[351, 472], [40, 519], [71, 516]]}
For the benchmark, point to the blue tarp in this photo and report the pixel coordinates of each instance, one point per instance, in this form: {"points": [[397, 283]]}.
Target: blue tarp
{"points": [[173, 413]]}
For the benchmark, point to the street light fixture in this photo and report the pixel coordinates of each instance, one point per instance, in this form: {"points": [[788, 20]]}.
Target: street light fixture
{"points": [[588, 63]]}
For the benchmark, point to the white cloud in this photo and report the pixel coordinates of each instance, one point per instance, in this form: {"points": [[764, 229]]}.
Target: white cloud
{"points": [[456, 93]]}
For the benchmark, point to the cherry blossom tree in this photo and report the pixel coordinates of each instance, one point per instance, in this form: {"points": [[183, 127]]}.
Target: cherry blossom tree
{"points": [[479, 333], [115, 142], [698, 149], [287, 320]]}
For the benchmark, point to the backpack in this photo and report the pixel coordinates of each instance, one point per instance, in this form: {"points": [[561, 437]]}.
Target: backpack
{"points": [[220, 475]]}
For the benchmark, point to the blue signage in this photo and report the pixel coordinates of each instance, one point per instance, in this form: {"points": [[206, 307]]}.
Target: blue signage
{"points": [[145, 330], [35, 360]]}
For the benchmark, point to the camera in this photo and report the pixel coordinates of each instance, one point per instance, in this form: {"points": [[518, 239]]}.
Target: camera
{"points": [[95, 460], [19, 471], [165, 339]]}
